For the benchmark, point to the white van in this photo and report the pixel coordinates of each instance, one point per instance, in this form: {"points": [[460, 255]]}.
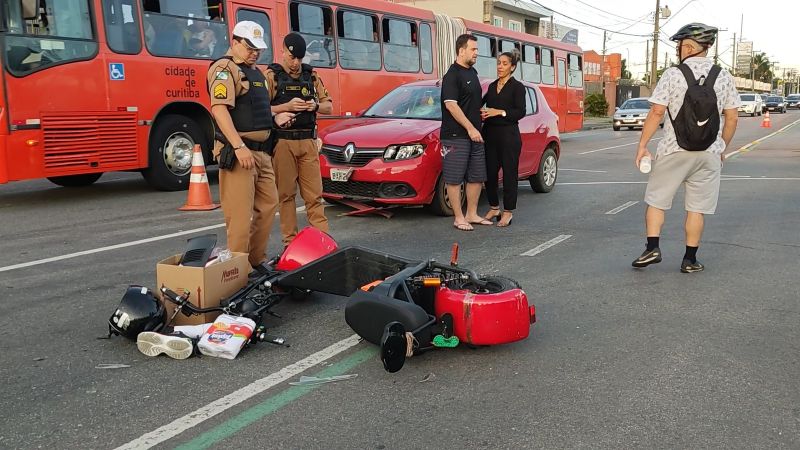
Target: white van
{"points": [[751, 104]]}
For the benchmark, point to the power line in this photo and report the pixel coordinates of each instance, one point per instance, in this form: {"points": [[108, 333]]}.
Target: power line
{"points": [[604, 11], [584, 23]]}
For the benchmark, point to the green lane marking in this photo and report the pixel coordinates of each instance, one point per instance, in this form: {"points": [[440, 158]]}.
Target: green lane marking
{"points": [[274, 403]]}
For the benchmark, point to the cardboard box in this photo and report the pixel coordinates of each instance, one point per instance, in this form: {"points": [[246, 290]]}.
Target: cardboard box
{"points": [[207, 285]]}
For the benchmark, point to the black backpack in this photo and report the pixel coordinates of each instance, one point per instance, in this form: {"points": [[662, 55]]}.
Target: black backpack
{"points": [[697, 123]]}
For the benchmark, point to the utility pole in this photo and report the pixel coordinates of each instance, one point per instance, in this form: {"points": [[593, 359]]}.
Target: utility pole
{"points": [[647, 62], [654, 62], [603, 68], [733, 65], [666, 60]]}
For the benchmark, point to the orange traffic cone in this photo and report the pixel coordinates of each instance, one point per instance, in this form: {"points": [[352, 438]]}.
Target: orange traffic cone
{"points": [[766, 123], [199, 192]]}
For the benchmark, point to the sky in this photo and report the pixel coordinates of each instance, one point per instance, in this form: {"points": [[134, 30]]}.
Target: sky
{"points": [[768, 28]]}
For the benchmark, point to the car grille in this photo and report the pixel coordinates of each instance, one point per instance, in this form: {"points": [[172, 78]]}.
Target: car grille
{"points": [[360, 158], [351, 188]]}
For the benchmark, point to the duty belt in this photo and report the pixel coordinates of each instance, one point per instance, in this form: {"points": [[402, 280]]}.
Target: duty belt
{"points": [[295, 135], [257, 146]]}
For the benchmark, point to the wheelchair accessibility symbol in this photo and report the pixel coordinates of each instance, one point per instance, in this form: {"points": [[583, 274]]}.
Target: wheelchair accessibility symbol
{"points": [[116, 71]]}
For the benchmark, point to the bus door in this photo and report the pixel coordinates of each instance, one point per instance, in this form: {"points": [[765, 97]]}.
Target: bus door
{"points": [[561, 88]]}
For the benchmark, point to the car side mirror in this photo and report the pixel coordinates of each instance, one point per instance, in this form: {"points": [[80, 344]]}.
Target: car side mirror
{"points": [[616, 109]]}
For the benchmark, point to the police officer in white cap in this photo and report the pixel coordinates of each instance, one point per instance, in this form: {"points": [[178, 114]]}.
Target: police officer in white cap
{"points": [[240, 105]]}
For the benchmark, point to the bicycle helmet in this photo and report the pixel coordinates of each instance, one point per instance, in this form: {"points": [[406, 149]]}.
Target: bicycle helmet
{"points": [[138, 311], [699, 32]]}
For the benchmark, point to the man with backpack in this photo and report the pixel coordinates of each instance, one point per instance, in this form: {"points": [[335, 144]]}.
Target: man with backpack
{"points": [[690, 154]]}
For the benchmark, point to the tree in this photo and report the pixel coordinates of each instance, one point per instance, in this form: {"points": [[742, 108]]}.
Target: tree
{"points": [[625, 73], [762, 68]]}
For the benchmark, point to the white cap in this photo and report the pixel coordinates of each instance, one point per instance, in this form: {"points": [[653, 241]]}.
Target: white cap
{"points": [[252, 32]]}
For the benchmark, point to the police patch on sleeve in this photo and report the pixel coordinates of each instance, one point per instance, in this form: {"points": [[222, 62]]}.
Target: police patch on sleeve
{"points": [[222, 75], [220, 92]]}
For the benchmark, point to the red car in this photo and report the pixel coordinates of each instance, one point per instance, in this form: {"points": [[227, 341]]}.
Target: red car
{"points": [[391, 153]]}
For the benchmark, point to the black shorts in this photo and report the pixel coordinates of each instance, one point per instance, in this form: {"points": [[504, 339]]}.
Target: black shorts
{"points": [[463, 160]]}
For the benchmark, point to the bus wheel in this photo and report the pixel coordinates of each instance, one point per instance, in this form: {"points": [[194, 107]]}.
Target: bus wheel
{"points": [[544, 180], [441, 205], [76, 180], [170, 157]]}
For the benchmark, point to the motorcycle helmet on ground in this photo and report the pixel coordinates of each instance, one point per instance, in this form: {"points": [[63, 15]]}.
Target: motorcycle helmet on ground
{"points": [[138, 311]]}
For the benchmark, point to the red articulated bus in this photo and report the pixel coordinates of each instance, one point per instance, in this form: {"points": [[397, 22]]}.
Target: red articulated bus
{"points": [[91, 86]]}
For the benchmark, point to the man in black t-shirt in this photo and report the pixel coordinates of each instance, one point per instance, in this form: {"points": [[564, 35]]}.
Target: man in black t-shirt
{"points": [[463, 158]]}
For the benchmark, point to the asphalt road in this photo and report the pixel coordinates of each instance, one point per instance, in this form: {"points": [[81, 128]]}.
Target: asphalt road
{"points": [[620, 358]]}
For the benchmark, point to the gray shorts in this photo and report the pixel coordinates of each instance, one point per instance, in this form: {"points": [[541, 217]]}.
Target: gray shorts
{"points": [[463, 160], [697, 172]]}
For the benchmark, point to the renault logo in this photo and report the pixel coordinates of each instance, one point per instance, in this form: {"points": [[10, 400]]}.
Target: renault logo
{"points": [[348, 152]]}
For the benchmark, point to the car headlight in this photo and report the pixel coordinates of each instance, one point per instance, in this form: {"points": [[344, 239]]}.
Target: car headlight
{"points": [[400, 152], [780, 104]]}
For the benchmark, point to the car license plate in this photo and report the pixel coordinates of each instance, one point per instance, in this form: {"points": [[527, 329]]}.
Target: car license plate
{"points": [[341, 174], [629, 121]]}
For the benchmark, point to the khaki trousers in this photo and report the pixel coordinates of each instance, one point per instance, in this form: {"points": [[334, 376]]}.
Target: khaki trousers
{"points": [[249, 201], [297, 163]]}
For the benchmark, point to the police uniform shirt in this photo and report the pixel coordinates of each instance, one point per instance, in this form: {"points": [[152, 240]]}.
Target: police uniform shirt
{"points": [[320, 91], [225, 84]]}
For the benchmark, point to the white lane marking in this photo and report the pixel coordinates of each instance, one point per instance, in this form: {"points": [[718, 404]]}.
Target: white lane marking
{"points": [[546, 245], [116, 246], [594, 183], [105, 249], [194, 418], [622, 207], [615, 146], [736, 176], [582, 170], [745, 148]]}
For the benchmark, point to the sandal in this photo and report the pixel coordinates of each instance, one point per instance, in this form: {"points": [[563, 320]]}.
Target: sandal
{"points": [[463, 227], [504, 223], [494, 213]]}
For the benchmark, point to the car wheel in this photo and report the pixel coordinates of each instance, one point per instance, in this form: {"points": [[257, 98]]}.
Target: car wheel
{"points": [[616, 128], [544, 180], [170, 156], [753, 114], [76, 180], [494, 285], [441, 201]]}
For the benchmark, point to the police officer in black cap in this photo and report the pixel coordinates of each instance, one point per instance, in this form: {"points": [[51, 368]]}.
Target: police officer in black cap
{"points": [[297, 88]]}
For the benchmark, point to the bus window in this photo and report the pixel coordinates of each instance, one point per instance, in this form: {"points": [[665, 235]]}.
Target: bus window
{"points": [[575, 70], [426, 47], [315, 24], [263, 20], [400, 50], [61, 33], [121, 19], [548, 71], [358, 41], [562, 79], [487, 52], [508, 46], [187, 29], [531, 64]]}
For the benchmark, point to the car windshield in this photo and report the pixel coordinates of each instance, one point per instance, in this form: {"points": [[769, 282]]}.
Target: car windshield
{"points": [[748, 98], [775, 99], [636, 104], [793, 97], [409, 102]]}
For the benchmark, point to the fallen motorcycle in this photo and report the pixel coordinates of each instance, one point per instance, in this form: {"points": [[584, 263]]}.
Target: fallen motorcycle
{"points": [[405, 306]]}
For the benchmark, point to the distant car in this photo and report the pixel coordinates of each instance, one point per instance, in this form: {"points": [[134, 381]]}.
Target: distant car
{"points": [[793, 101], [632, 114], [751, 104], [776, 103], [764, 98], [391, 154]]}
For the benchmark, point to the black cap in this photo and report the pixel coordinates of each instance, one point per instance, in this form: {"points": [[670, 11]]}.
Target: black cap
{"points": [[295, 44]]}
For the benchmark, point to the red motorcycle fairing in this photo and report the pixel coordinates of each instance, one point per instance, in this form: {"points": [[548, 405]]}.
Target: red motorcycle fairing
{"points": [[486, 319], [310, 244]]}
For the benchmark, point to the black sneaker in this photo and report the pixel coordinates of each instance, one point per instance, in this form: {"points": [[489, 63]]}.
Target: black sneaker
{"points": [[648, 257], [689, 267]]}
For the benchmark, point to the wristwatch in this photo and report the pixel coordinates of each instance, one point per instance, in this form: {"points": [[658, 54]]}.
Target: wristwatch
{"points": [[242, 145]]}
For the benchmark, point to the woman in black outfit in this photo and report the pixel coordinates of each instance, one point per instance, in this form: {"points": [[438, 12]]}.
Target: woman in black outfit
{"points": [[505, 106]]}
